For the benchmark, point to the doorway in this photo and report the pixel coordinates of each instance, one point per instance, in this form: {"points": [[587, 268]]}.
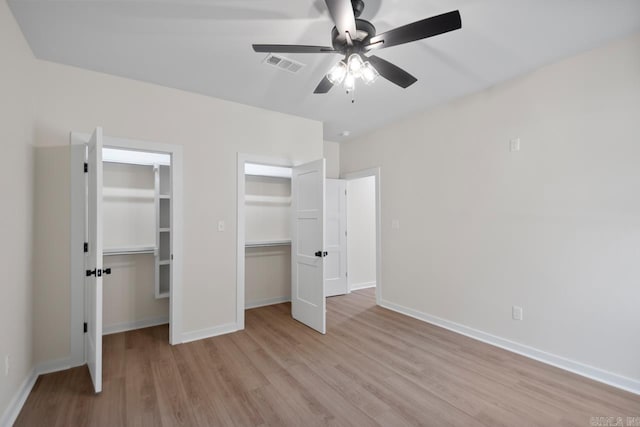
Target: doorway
{"points": [[162, 200], [364, 228]]}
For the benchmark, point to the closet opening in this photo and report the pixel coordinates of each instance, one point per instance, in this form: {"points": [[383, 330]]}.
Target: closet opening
{"points": [[126, 225], [137, 235], [267, 255], [267, 217]]}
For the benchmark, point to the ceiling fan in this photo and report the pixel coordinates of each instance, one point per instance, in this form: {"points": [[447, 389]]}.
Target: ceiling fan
{"points": [[355, 38]]}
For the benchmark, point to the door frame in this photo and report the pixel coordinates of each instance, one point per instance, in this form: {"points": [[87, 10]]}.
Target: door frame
{"points": [[241, 224], [77, 235], [364, 173]]}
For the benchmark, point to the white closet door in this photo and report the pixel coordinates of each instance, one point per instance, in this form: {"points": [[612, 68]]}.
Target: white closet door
{"points": [[335, 281], [307, 245], [93, 279]]}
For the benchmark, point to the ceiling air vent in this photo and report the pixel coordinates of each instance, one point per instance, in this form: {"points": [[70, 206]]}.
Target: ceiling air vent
{"points": [[283, 63]]}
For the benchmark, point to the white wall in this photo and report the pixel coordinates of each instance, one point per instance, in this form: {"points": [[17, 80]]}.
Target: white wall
{"points": [[128, 205], [129, 293], [16, 215], [267, 208], [211, 131], [331, 153], [268, 217], [267, 275], [361, 232], [51, 255], [554, 228]]}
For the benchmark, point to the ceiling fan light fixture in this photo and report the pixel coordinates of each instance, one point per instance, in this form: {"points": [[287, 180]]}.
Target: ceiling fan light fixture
{"points": [[369, 74], [355, 65], [349, 82], [337, 73]]}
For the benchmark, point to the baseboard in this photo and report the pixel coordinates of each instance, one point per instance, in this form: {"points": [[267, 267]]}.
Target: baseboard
{"points": [[136, 324], [265, 301], [362, 285], [53, 366], [596, 374], [15, 406], [209, 332]]}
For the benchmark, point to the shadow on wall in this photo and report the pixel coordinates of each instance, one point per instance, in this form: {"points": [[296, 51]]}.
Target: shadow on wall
{"points": [[51, 252]]}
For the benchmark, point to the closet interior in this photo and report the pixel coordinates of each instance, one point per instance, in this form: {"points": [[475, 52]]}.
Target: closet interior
{"points": [[137, 239], [267, 235]]}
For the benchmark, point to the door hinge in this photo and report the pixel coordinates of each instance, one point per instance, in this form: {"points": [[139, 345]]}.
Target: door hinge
{"points": [[86, 247], [346, 274], [85, 327], [86, 167]]}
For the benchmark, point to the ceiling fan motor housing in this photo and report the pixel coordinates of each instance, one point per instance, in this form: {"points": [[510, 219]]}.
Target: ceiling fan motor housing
{"points": [[364, 31], [358, 7]]}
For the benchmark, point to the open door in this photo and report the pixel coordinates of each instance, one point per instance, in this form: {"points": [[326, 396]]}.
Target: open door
{"points": [[307, 245], [336, 238], [93, 278]]}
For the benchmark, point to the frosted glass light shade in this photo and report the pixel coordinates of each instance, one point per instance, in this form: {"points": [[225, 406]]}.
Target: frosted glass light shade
{"points": [[337, 73], [369, 74]]}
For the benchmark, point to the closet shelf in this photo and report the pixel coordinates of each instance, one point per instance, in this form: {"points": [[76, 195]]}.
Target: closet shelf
{"points": [[267, 243], [254, 199], [164, 262], [129, 250], [164, 196], [164, 230]]}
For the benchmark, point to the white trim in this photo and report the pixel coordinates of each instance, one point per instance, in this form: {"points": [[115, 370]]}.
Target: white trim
{"points": [[77, 236], [241, 225], [377, 174], [209, 332], [136, 324], [15, 405], [77, 228], [55, 365], [628, 384], [362, 285], [265, 301], [133, 157]]}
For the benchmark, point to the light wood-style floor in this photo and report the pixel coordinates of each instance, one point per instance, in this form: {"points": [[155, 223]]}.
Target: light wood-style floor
{"points": [[374, 367]]}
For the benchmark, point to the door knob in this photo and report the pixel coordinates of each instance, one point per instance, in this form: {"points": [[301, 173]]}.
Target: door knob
{"points": [[322, 254]]}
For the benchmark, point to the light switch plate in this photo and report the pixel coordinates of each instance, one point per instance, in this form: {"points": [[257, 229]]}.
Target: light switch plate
{"points": [[395, 224], [516, 312], [220, 225]]}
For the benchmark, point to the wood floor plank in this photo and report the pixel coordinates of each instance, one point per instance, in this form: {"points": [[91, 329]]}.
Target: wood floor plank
{"points": [[374, 367]]}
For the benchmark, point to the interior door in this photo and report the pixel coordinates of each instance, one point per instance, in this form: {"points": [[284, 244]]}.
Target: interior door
{"points": [[93, 277], [335, 281], [307, 245]]}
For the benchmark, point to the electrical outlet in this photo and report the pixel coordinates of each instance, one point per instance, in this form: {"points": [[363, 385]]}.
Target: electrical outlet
{"points": [[395, 224], [514, 144], [516, 312], [6, 365]]}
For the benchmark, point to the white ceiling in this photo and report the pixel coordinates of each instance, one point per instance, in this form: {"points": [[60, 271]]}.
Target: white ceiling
{"points": [[205, 47]]}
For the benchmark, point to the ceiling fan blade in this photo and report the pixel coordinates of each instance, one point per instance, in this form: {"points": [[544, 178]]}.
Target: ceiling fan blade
{"points": [[324, 86], [291, 48], [429, 27], [342, 13], [391, 72]]}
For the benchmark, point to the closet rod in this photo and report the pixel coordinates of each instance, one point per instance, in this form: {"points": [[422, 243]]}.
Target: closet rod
{"points": [[129, 251], [267, 243]]}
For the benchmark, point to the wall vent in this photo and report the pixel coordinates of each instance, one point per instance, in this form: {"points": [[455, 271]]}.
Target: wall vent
{"points": [[283, 63]]}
